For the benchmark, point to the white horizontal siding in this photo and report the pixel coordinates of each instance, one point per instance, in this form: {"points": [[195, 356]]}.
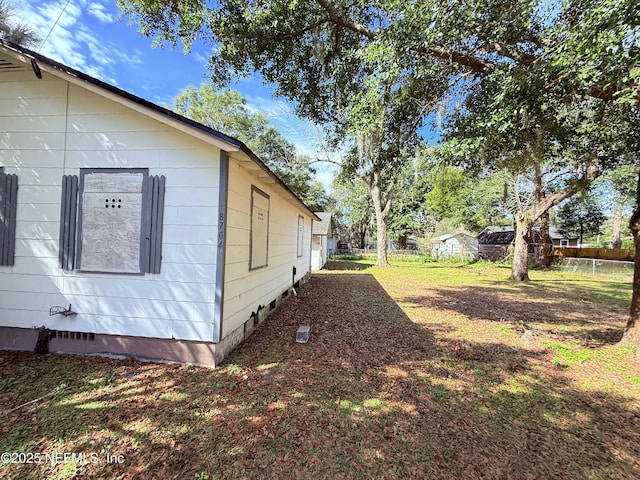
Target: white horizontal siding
{"points": [[34, 158], [36, 194], [189, 253], [190, 234], [42, 138], [140, 288], [42, 176], [192, 196], [246, 290], [39, 212], [190, 215], [33, 141], [22, 123]]}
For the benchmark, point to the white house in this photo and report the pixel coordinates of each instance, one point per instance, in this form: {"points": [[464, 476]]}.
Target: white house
{"points": [[322, 240], [129, 230], [454, 245]]}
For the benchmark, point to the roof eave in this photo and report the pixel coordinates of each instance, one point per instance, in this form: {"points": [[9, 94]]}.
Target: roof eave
{"points": [[247, 151], [163, 115]]}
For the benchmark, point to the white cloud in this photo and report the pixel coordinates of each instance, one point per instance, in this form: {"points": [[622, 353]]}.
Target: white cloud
{"points": [[100, 12], [67, 39], [201, 59]]}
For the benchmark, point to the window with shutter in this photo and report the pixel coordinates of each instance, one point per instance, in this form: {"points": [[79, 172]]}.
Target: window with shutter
{"points": [[119, 216]]}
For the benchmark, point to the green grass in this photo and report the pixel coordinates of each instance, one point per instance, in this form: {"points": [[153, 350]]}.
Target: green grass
{"points": [[421, 370], [570, 354]]}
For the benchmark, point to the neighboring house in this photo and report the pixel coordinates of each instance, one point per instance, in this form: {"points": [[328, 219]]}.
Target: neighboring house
{"points": [[494, 242], [454, 245], [558, 239], [321, 236], [134, 231]]}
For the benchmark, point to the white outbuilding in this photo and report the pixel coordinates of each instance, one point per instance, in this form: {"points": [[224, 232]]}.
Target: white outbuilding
{"points": [[129, 230], [321, 240], [454, 245]]}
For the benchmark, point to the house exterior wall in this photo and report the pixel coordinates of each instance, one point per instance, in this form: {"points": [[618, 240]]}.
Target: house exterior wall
{"points": [[50, 128], [319, 251], [565, 242], [248, 290]]}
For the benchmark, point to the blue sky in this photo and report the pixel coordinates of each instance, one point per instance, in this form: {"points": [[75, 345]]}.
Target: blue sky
{"points": [[89, 36]]}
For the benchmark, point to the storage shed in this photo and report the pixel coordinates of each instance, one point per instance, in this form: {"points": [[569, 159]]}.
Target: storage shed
{"points": [[128, 230], [454, 245], [494, 243], [321, 240]]}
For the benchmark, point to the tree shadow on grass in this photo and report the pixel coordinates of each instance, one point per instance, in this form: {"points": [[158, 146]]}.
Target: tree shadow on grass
{"points": [[439, 408], [371, 395], [607, 292], [573, 317]]}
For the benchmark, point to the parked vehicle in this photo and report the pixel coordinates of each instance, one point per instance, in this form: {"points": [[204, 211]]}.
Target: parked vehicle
{"points": [[343, 248]]}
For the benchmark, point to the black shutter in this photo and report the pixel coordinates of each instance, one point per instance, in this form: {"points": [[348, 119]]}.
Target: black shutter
{"points": [[152, 214], [68, 213], [8, 207]]}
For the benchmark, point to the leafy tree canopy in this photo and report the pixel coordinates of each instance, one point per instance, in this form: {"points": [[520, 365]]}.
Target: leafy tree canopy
{"points": [[227, 112], [318, 52]]}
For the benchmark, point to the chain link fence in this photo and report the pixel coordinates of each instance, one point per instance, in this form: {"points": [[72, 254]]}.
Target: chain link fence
{"points": [[594, 266]]}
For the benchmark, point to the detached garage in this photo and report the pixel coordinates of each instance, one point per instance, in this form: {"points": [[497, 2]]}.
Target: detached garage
{"points": [[129, 230]]}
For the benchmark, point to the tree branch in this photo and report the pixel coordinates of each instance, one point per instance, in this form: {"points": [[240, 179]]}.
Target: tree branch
{"points": [[472, 62], [522, 58], [300, 32], [338, 19], [325, 160], [592, 172]]}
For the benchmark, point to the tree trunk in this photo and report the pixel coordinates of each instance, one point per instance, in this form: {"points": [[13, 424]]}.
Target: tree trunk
{"points": [[402, 242], [616, 241], [363, 237], [382, 259], [520, 267], [632, 331], [524, 219], [545, 246], [382, 216]]}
